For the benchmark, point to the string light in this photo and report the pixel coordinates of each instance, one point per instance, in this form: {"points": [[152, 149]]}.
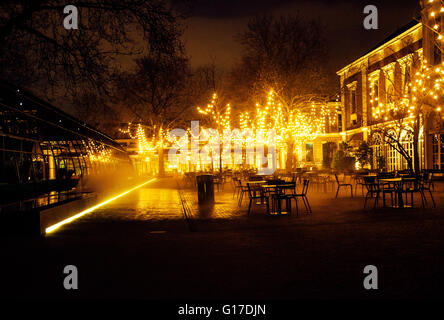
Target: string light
{"points": [[421, 92]]}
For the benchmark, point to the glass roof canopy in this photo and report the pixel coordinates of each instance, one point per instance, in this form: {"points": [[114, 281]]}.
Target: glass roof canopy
{"points": [[44, 149]]}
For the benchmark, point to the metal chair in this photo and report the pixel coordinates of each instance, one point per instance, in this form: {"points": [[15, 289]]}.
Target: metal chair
{"points": [[389, 188], [427, 185], [242, 190], [373, 189], [410, 187], [340, 184], [255, 193], [303, 195], [280, 196], [359, 180], [237, 186]]}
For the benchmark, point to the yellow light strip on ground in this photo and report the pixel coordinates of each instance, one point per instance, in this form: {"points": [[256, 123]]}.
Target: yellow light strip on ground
{"points": [[78, 215]]}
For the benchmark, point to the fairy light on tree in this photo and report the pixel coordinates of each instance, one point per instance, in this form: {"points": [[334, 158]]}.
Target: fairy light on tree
{"points": [[217, 115], [292, 126], [401, 114], [433, 20]]}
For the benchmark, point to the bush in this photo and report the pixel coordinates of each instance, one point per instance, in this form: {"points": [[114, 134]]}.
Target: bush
{"points": [[364, 154], [342, 161]]}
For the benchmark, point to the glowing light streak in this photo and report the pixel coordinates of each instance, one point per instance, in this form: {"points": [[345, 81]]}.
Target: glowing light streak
{"points": [[80, 214]]}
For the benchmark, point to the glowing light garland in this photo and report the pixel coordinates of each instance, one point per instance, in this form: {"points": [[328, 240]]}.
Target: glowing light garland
{"points": [[423, 90], [296, 125], [270, 123]]}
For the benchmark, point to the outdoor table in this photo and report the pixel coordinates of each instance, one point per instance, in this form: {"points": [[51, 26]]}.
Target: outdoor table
{"points": [[276, 187], [397, 182]]}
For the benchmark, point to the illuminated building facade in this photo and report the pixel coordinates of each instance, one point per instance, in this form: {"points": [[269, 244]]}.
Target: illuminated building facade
{"points": [[389, 80]]}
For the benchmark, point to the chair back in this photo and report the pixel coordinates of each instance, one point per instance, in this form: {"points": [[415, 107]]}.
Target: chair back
{"points": [[386, 175], [369, 179], [426, 179], [411, 184], [254, 191], [291, 186], [370, 183], [336, 178], [275, 181], [305, 185]]}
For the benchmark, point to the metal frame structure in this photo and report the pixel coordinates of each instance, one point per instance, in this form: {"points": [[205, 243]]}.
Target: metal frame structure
{"points": [[44, 149]]}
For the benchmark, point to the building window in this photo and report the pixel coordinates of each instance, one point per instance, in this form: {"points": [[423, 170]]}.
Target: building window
{"points": [[390, 94], [353, 100], [407, 144], [407, 79], [392, 158], [376, 92], [309, 152], [339, 122], [389, 87], [438, 151]]}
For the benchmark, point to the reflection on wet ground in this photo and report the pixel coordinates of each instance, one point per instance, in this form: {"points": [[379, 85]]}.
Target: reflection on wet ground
{"points": [[161, 206], [163, 203], [142, 204], [140, 246]]}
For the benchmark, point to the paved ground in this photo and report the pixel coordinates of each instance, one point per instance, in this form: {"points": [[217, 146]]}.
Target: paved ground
{"points": [[141, 246]]}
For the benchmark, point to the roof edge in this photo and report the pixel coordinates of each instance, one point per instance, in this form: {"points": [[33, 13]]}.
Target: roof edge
{"points": [[392, 38]]}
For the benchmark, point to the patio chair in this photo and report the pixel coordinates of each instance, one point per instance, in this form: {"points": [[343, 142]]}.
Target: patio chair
{"points": [[218, 181], [411, 187], [237, 186], [279, 196], [303, 195], [427, 185], [255, 193], [388, 188], [341, 184], [359, 181], [373, 190], [242, 189]]}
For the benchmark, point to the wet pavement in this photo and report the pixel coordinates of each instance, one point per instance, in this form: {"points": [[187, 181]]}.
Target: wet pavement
{"points": [[143, 246]]}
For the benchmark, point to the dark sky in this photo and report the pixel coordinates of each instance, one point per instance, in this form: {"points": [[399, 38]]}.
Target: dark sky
{"points": [[213, 23]]}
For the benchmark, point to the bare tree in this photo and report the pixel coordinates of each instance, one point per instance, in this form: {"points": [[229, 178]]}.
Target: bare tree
{"points": [[400, 111], [156, 96], [36, 49], [286, 54]]}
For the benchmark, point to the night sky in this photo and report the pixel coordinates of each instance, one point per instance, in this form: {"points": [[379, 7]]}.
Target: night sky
{"points": [[213, 23]]}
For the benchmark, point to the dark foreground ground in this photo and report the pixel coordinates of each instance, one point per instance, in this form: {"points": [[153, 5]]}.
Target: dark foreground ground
{"points": [[140, 246]]}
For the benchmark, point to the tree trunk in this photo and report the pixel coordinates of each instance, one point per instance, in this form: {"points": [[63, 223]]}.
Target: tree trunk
{"points": [[416, 162], [220, 157], [161, 162], [290, 157]]}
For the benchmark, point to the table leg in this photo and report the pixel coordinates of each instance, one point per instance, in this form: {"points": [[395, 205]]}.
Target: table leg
{"points": [[400, 200]]}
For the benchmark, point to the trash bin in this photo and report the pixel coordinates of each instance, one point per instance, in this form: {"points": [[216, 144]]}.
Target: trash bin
{"points": [[205, 188]]}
